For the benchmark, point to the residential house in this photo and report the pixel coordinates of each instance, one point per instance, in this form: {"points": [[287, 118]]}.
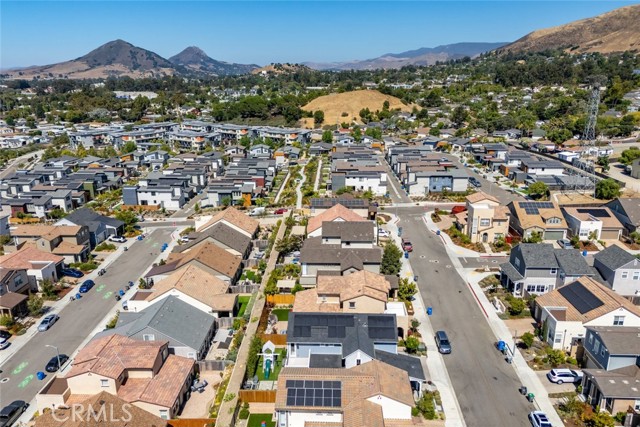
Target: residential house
{"points": [[98, 410], [628, 212], [68, 241], [612, 371], [540, 217], [485, 220], [635, 169], [14, 292], [620, 270], [142, 373], [100, 226], [564, 313], [320, 148], [233, 218], [593, 223], [336, 212], [188, 331], [536, 166], [366, 395], [195, 286], [359, 177], [39, 265]]}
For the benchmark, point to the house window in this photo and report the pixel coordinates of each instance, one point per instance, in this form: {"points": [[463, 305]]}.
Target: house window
{"points": [[618, 320], [485, 222], [625, 274], [17, 281], [517, 262], [636, 406], [148, 337], [636, 275], [104, 383], [590, 339], [602, 352], [596, 347], [540, 288], [558, 339], [554, 271], [164, 414], [352, 304]]}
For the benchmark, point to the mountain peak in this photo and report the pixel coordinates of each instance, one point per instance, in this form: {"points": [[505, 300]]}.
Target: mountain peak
{"points": [[197, 60]]}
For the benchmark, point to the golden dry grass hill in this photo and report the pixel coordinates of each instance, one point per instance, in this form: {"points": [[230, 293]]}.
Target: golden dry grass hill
{"points": [[346, 106]]}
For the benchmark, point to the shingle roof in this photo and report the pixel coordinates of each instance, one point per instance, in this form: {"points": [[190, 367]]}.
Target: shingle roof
{"points": [[537, 255], [235, 217], [337, 212], [511, 272], [529, 220], [83, 216], [315, 252], [208, 254], [631, 207], [614, 257], [479, 196], [48, 232], [221, 232], [411, 365], [11, 300], [352, 231], [619, 340], [602, 214], [572, 262], [27, 258], [619, 383], [585, 288]]}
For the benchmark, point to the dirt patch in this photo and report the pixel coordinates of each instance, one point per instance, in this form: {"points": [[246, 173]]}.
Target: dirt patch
{"points": [[587, 246]]}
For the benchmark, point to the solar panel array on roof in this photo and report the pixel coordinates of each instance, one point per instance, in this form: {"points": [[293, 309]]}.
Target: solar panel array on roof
{"points": [[580, 297], [347, 203], [596, 213], [532, 208], [314, 393]]}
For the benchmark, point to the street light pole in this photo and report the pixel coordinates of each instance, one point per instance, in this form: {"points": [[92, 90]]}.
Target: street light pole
{"points": [[57, 353]]}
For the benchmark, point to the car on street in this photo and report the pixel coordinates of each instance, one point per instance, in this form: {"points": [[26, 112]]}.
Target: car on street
{"points": [[474, 181], [565, 244], [280, 211], [5, 335], [443, 343], [406, 245], [86, 286], [10, 413], [560, 376], [383, 233], [72, 272], [118, 239], [47, 322], [539, 419], [53, 366], [4, 343], [184, 239]]}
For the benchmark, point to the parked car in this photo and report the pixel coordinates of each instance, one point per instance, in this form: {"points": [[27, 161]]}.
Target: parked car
{"points": [[48, 322], [443, 343], [565, 244], [406, 245], [184, 239], [474, 181], [10, 413], [4, 343], [560, 376], [280, 211], [53, 365], [257, 211], [118, 239], [383, 233], [86, 286], [72, 272], [539, 419], [5, 335]]}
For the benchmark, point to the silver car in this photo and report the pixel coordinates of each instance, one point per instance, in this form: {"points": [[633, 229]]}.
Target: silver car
{"points": [[560, 376], [47, 322]]}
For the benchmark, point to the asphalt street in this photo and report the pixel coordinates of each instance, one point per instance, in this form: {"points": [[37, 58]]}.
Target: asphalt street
{"points": [[485, 384], [77, 320]]}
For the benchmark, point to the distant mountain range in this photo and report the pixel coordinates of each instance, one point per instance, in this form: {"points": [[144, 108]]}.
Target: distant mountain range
{"points": [[422, 56], [615, 31]]}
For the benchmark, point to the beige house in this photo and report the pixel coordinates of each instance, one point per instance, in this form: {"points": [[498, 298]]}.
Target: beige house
{"points": [[70, 242], [485, 219], [142, 373], [545, 218], [335, 213]]}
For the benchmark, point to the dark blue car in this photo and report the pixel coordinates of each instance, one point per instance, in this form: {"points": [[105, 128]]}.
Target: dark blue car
{"points": [[86, 285], [72, 272]]}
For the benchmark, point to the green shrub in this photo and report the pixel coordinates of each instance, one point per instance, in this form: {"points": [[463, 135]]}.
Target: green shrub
{"points": [[7, 321], [516, 306], [527, 339], [104, 246], [426, 406], [244, 411], [555, 357]]}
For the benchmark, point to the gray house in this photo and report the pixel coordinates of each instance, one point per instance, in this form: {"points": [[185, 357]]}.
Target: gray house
{"points": [[100, 226], [188, 330], [628, 212], [620, 270], [532, 269], [571, 266], [611, 347]]}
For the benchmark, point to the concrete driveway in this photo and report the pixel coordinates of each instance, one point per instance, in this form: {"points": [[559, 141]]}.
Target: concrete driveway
{"points": [[555, 388]]}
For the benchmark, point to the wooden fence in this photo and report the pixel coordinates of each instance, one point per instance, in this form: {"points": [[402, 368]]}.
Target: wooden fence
{"points": [[244, 289], [213, 365], [281, 299], [277, 339], [192, 422], [225, 322], [262, 396]]}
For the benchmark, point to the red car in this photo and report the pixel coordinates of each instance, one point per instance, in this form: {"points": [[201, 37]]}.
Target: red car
{"points": [[280, 211], [406, 245]]}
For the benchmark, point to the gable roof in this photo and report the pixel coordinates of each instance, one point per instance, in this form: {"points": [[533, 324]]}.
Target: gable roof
{"points": [[614, 257], [618, 383], [47, 232], [192, 281], [84, 216], [619, 340], [334, 213], [573, 263], [602, 214], [207, 254], [585, 300], [534, 214], [479, 196], [630, 208], [235, 217], [537, 255], [315, 252], [221, 232], [28, 258], [352, 231]]}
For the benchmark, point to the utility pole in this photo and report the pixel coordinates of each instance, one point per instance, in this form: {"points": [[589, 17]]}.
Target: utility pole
{"points": [[589, 134]]}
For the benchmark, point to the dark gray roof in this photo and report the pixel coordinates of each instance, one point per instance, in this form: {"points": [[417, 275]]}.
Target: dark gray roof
{"points": [[629, 207], [325, 361], [614, 257], [407, 363], [178, 321], [222, 233], [538, 255], [349, 231], [314, 252], [572, 262], [83, 216], [511, 272], [353, 331], [621, 383], [619, 340]]}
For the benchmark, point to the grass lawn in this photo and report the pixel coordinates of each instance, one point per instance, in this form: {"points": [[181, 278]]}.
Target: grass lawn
{"points": [[276, 369], [255, 420], [283, 314], [244, 301]]}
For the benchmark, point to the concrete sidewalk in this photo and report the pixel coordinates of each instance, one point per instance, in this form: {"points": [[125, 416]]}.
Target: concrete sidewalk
{"points": [[458, 250], [437, 371]]}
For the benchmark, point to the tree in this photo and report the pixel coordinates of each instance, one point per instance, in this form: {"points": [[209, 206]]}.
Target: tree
{"points": [[516, 306], [607, 189], [356, 133], [629, 155], [374, 132], [34, 304], [129, 218], [527, 339], [297, 288], [604, 162], [459, 116], [593, 418], [327, 136], [406, 289], [129, 147], [48, 289], [57, 213], [288, 244], [391, 259], [538, 190], [255, 348], [534, 237], [318, 117], [411, 344]]}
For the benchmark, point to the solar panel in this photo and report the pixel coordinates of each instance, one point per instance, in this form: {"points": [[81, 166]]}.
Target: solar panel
{"points": [[314, 393], [377, 332], [380, 321], [580, 297], [597, 213]]}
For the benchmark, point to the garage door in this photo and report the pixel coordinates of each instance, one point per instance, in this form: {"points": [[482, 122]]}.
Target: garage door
{"points": [[553, 235], [609, 234]]}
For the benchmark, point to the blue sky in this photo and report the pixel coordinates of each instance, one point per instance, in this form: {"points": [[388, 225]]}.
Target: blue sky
{"points": [[44, 32]]}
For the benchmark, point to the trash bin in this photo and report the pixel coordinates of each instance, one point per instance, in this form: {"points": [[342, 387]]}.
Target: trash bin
{"points": [[429, 311], [415, 279], [437, 232], [530, 397], [523, 390], [584, 253], [406, 254], [501, 346], [40, 375]]}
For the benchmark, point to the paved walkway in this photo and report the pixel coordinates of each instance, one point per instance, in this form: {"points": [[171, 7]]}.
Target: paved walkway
{"points": [[225, 414], [316, 184], [299, 188], [282, 187]]}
